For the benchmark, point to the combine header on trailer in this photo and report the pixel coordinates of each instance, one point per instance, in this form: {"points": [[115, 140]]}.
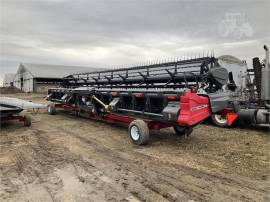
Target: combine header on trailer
{"points": [[178, 94]]}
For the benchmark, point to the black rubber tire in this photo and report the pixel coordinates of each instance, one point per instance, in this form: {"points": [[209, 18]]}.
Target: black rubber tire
{"points": [[143, 132], [217, 122], [179, 130], [51, 109], [26, 121]]}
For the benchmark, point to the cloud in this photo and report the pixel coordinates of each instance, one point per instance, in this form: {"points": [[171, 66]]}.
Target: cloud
{"points": [[110, 33]]}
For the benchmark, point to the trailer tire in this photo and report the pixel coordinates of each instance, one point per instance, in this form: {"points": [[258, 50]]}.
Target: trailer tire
{"points": [[26, 121], [51, 109], [219, 121], [138, 132], [179, 130]]}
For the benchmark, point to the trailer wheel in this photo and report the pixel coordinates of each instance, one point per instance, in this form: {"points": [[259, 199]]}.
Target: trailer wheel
{"points": [[26, 121], [51, 109], [179, 130], [219, 120], [138, 132]]}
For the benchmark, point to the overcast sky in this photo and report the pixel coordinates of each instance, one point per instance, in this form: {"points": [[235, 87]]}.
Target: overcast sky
{"points": [[120, 32]]}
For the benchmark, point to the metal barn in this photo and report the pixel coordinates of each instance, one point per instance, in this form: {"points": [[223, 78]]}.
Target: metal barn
{"points": [[40, 77], [8, 80]]}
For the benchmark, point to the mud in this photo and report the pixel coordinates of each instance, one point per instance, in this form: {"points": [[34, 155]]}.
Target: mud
{"points": [[67, 158]]}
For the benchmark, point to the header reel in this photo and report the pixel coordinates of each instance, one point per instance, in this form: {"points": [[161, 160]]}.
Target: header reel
{"points": [[196, 73]]}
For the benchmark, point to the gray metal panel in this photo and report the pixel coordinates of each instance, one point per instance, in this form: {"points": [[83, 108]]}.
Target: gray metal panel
{"points": [[265, 90], [218, 101], [171, 111], [28, 85]]}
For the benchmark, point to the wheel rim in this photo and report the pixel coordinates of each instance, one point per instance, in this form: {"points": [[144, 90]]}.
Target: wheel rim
{"points": [[134, 132], [220, 119]]}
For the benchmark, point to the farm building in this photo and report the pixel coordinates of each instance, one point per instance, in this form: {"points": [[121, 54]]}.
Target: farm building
{"points": [[40, 77], [8, 80]]}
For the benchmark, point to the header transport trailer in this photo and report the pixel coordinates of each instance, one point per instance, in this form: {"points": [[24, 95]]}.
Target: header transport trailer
{"points": [[10, 109], [178, 94]]}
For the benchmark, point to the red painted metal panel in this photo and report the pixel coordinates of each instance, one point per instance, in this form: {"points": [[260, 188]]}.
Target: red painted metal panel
{"points": [[231, 117], [114, 118], [158, 125], [66, 107], [12, 117], [194, 109]]}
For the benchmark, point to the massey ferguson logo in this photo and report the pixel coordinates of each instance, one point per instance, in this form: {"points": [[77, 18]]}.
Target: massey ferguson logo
{"points": [[199, 107]]}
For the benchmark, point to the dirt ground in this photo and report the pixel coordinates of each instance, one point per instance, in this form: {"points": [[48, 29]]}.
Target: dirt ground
{"points": [[67, 158]]}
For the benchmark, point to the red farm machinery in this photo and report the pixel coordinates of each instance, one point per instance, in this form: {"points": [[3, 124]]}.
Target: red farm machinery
{"points": [[178, 94]]}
